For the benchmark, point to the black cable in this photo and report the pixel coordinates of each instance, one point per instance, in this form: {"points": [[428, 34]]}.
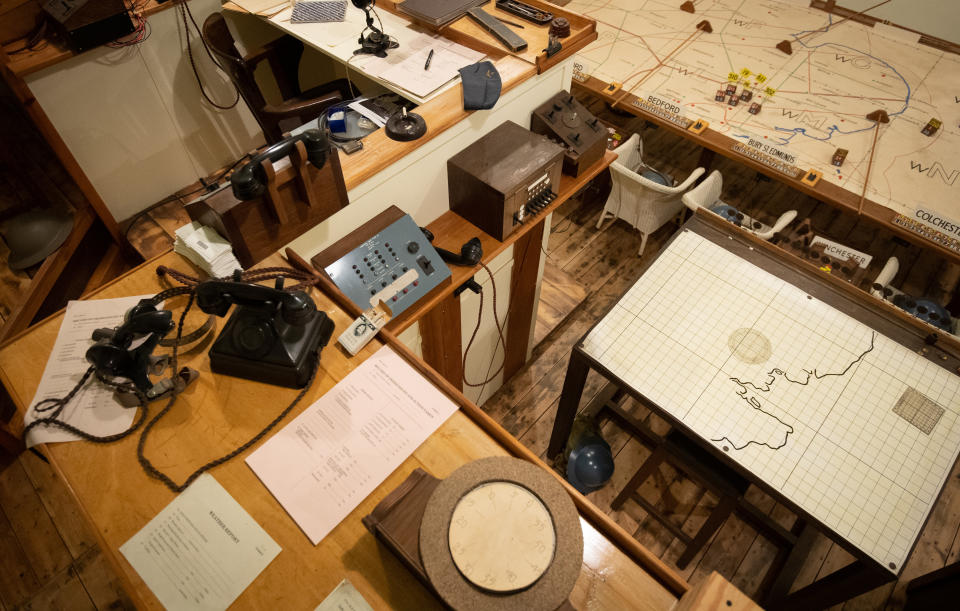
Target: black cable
{"points": [[34, 38], [184, 9], [58, 404], [175, 197]]}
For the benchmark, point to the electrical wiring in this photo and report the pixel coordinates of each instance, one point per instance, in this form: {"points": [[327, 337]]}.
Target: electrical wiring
{"points": [[141, 30], [184, 9], [179, 196]]}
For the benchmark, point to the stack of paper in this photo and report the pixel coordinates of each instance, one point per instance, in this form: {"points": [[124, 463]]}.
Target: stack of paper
{"points": [[267, 8], [206, 249]]}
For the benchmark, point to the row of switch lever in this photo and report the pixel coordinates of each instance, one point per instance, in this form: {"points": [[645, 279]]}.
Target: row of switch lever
{"points": [[540, 201]]}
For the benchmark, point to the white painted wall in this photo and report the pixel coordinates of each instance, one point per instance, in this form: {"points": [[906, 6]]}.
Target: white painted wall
{"points": [[135, 120], [417, 183], [940, 18]]}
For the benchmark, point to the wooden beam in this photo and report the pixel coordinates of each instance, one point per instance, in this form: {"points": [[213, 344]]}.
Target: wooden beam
{"points": [[49, 133], [47, 275]]}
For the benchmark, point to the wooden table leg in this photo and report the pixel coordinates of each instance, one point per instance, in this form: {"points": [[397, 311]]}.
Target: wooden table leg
{"points": [[442, 345], [523, 292], [841, 585], [577, 371], [706, 159]]}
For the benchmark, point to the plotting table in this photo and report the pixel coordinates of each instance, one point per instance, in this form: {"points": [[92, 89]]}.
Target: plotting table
{"points": [[821, 401], [823, 91]]}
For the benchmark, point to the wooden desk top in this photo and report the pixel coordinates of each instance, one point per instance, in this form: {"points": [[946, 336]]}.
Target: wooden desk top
{"points": [[218, 413]]}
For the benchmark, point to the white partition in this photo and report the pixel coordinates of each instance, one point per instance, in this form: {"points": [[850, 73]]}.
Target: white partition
{"points": [[135, 120]]}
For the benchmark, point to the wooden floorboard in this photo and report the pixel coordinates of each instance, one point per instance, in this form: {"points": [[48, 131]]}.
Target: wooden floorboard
{"points": [[602, 260], [49, 560]]}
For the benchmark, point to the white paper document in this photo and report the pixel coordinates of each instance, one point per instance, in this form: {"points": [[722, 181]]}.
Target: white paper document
{"points": [[344, 597], [202, 550], [405, 67], [93, 408], [328, 459]]}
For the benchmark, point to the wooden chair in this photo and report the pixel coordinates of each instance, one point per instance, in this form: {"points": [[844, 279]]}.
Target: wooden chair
{"points": [[699, 465], [283, 55], [638, 199]]}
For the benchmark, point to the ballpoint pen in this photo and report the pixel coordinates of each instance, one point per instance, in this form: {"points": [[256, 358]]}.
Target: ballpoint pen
{"points": [[426, 66]]}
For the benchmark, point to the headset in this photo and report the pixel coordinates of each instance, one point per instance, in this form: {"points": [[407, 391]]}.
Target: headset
{"points": [[470, 253], [249, 182]]}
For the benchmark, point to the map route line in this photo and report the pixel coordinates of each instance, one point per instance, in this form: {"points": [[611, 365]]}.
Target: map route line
{"points": [[811, 374], [834, 128]]}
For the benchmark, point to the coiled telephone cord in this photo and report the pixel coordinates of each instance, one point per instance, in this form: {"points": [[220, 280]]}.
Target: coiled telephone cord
{"points": [[57, 405]]}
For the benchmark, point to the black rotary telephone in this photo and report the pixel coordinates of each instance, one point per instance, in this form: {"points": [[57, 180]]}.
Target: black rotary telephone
{"points": [[273, 336], [249, 182]]}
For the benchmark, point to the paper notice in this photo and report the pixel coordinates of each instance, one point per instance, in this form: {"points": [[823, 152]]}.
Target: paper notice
{"points": [[344, 598], [93, 408], [328, 459], [202, 550]]}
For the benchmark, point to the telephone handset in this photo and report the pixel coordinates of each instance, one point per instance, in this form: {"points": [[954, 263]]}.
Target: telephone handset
{"points": [[273, 336], [470, 253], [249, 181]]}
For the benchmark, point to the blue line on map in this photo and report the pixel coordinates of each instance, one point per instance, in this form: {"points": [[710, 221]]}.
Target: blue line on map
{"points": [[833, 128]]}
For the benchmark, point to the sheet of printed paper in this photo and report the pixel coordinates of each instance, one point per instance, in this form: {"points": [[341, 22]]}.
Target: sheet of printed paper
{"points": [[405, 68], [344, 597], [202, 550], [93, 408], [330, 457], [856, 429]]}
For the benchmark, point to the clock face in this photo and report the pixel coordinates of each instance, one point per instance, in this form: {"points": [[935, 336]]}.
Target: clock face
{"points": [[501, 537]]}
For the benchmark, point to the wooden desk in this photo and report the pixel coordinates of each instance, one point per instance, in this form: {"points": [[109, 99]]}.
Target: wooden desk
{"points": [[217, 413], [793, 382]]}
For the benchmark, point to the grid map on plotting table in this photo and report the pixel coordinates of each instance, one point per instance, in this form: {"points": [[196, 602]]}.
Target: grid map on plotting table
{"points": [[805, 397]]}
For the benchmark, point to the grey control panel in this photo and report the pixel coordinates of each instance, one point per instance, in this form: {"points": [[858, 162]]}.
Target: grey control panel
{"points": [[397, 266]]}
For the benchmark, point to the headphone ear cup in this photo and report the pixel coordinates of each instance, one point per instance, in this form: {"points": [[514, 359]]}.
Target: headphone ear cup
{"points": [[145, 305], [316, 146]]}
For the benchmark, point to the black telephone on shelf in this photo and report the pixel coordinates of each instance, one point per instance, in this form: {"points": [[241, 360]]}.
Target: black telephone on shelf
{"points": [[249, 182], [470, 253], [273, 336]]}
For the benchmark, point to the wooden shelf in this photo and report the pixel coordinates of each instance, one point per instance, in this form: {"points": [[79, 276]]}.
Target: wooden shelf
{"points": [[51, 51], [452, 230]]}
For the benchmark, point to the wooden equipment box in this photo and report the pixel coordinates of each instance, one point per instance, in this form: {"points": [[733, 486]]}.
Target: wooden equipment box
{"points": [[566, 121], [296, 198], [503, 178]]}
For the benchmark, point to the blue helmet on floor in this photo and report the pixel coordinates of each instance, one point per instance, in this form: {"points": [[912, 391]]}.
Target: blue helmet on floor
{"points": [[590, 464]]}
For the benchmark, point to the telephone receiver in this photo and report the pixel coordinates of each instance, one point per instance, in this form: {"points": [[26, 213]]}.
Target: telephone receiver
{"points": [[249, 182], [216, 296], [470, 253]]}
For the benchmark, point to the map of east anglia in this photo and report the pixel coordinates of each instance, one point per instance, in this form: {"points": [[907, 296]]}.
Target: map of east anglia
{"points": [[812, 102]]}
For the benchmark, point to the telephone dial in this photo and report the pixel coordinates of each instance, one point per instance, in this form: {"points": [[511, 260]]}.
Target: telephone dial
{"points": [[273, 336]]}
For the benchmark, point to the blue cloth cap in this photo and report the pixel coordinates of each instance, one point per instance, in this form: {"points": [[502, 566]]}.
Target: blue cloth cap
{"points": [[481, 86]]}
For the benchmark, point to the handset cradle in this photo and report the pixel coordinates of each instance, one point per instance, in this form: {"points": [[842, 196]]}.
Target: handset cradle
{"points": [[273, 336]]}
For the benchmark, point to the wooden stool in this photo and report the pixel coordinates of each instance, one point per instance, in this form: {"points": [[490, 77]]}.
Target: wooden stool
{"points": [[704, 468], [688, 457]]}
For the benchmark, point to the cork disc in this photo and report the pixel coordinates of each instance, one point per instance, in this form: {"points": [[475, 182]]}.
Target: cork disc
{"points": [[501, 537], [545, 592]]}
